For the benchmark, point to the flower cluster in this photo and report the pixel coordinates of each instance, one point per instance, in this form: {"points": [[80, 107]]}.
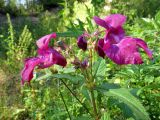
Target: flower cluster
{"points": [[120, 48], [115, 45], [47, 56]]}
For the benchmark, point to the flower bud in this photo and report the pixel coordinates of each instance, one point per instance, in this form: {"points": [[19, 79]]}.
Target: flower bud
{"points": [[82, 43]]}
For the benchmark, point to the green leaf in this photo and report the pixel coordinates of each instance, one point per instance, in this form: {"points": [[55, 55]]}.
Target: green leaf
{"points": [[138, 111], [106, 116], [81, 24], [107, 86], [99, 68], [85, 92], [65, 70], [43, 77], [84, 117], [76, 79], [73, 78], [70, 34], [148, 87]]}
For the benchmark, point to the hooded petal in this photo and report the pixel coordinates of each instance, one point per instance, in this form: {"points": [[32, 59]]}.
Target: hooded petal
{"points": [[125, 52], [82, 43], [100, 22], [49, 57], [27, 72], [115, 20], [43, 42]]}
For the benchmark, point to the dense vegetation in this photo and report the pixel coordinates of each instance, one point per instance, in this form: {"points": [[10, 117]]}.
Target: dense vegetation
{"points": [[57, 93]]}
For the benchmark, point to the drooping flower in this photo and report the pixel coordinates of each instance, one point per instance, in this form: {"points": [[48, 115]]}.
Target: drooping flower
{"points": [[113, 24], [82, 43], [126, 51], [47, 57]]}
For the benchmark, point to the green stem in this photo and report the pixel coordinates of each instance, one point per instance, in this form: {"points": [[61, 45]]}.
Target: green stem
{"points": [[65, 104], [91, 62], [76, 97], [94, 105]]}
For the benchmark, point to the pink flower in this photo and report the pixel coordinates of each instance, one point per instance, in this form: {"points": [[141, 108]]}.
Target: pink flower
{"points": [[82, 43], [126, 51], [47, 57]]}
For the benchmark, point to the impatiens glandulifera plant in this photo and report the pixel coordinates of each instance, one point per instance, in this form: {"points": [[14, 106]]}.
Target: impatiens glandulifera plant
{"points": [[115, 45]]}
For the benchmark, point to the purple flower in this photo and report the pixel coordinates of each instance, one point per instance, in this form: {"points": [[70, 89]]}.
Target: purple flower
{"points": [[82, 43], [126, 51], [47, 57]]}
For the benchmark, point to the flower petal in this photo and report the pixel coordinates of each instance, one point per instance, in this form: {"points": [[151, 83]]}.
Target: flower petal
{"points": [[115, 20], [49, 57], [27, 72], [82, 43], [100, 22], [126, 51], [144, 46], [43, 42], [115, 35]]}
